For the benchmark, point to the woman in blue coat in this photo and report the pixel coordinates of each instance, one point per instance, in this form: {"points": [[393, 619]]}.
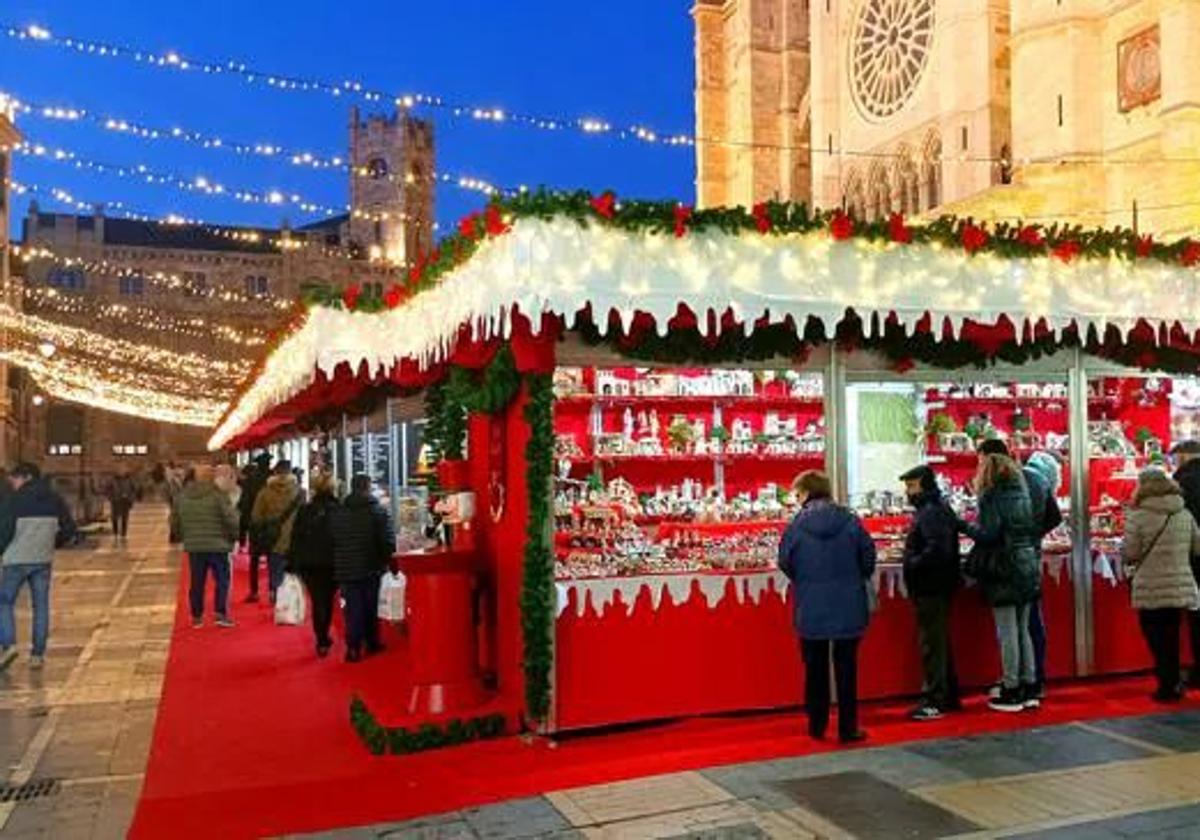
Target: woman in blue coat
{"points": [[830, 559]]}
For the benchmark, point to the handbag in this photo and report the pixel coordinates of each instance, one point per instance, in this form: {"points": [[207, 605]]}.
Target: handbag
{"points": [[289, 601]]}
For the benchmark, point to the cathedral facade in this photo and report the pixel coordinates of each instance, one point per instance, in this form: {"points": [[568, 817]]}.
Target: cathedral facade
{"points": [[1082, 111]]}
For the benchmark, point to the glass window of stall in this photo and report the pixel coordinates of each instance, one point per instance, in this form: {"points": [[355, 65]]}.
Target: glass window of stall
{"points": [[679, 470]]}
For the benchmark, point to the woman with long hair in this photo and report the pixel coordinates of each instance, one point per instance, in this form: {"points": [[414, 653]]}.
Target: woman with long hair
{"points": [[1006, 564], [1161, 537]]}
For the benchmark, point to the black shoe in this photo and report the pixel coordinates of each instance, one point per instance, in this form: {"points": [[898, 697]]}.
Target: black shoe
{"points": [[1010, 700], [1161, 696], [1032, 695], [323, 650], [376, 649], [952, 706], [856, 737], [926, 712], [252, 598], [353, 656]]}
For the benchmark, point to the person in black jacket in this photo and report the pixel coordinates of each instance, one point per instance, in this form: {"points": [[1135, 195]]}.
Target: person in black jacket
{"points": [[363, 544], [1187, 476], [932, 573], [311, 556], [254, 478]]}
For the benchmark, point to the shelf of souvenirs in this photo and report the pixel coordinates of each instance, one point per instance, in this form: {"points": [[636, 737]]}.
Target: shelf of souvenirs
{"points": [[702, 384], [755, 401], [814, 459]]}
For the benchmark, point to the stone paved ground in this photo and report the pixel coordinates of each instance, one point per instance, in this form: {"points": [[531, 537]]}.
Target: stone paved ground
{"points": [[85, 722]]}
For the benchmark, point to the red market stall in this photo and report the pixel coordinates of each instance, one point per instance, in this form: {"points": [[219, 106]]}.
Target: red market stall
{"points": [[632, 388]]}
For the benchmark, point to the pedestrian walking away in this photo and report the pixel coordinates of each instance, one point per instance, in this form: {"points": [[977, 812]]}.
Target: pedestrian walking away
{"points": [[311, 556], [363, 544], [271, 521], [253, 480], [207, 523], [34, 520], [1161, 537], [829, 557], [932, 576]]}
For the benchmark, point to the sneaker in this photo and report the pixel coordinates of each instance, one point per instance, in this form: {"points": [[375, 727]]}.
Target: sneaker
{"points": [[1010, 700], [993, 692], [353, 656], [375, 650], [7, 655], [225, 621], [926, 712], [197, 623], [36, 662], [1032, 696], [323, 651], [1167, 696], [856, 737]]}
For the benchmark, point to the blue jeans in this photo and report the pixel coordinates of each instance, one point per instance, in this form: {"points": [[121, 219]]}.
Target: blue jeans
{"points": [[199, 565], [276, 563], [362, 613], [1037, 632], [37, 575]]}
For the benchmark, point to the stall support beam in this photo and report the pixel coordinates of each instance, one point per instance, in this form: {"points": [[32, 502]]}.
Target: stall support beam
{"points": [[1081, 542], [837, 451], [393, 456]]}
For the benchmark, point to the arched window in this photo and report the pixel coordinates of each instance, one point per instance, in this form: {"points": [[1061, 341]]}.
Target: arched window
{"points": [[880, 194], [854, 196], [907, 184], [932, 175]]}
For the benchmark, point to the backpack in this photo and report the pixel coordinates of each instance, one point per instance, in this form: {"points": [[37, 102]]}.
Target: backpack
{"points": [[265, 533]]}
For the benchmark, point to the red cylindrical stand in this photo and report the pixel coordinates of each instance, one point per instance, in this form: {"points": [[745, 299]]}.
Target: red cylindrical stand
{"points": [[443, 642]]}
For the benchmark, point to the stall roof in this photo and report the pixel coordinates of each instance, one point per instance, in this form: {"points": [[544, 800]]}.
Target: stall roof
{"points": [[769, 262]]}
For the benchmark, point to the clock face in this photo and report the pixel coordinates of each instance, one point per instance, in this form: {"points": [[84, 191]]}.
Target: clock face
{"points": [[377, 168], [889, 50]]}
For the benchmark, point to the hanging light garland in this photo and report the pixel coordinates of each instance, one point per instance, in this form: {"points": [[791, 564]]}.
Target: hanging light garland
{"points": [[349, 89], [273, 151], [148, 318]]}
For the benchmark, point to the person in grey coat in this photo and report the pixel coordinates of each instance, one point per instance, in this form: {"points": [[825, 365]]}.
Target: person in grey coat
{"points": [[1160, 539]]}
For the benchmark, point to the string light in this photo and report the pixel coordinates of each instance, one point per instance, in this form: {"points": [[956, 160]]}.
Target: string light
{"points": [[273, 151], [139, 317], [347, 89]]}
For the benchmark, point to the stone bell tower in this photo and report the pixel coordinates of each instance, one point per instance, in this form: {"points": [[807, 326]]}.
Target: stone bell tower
{"points": [[392, 183]]}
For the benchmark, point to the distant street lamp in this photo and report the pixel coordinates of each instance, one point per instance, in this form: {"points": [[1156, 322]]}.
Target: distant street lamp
{"points": [[47, 349], [38, 399]]}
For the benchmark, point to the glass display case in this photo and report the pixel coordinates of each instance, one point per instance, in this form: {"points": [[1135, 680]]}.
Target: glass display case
{"points": [[673, 470]]}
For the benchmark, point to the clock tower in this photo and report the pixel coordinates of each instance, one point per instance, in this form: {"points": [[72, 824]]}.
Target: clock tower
{"points": [[392, 182]]}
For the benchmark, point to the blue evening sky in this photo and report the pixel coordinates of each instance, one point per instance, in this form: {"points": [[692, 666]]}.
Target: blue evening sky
{"points": [[623, 60]]}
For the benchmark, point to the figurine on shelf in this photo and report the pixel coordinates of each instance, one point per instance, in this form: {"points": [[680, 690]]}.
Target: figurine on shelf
{"points": [[627, 425], [655, 430]]}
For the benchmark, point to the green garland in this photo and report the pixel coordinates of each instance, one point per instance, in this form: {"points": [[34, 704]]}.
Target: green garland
{"points": [[1020, 241], [537, 585], [380, 739]]}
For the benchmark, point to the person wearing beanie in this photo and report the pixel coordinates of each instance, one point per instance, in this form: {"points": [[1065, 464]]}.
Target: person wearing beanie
{"points": [[932, 575], [1187, 475]]}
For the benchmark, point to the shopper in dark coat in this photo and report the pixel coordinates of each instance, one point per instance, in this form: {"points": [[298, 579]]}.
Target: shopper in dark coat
{"points": [[1187, 476], [932, 574], [122, 493], [829, 557], [363, 544], [1005, 561], [311, 556], [255, 478]]}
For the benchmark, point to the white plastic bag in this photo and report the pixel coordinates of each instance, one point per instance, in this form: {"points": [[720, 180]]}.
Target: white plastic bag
{"points": [[391, 597], [289, 601]]}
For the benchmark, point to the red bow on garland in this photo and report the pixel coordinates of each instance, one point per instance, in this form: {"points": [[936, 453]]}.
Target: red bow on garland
{"points": [[973, 237], [841, 226], [1031, 236], [350, 295], [605, 205], [683, 214], [762, 219], [897, 230], [1066, 251]]}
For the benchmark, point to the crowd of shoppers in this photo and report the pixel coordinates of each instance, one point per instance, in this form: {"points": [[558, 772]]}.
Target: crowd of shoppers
{"points": [[829, 557]]}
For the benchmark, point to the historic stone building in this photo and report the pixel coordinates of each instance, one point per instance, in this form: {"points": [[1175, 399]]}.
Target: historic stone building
{"points": [[9, 405], [1074, 111], [215, 290]]}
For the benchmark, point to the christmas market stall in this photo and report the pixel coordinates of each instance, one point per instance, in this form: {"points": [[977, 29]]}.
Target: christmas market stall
{"points": [[629, 388]]}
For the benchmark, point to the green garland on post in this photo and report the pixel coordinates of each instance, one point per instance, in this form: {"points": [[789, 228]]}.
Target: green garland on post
{"points": [[398, 740], [537, 586]]}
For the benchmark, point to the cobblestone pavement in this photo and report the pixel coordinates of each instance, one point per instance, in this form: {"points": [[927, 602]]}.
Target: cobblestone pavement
{"points": [[83, 724]]}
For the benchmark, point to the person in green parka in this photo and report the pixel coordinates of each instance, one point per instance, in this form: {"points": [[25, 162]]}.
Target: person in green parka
{"points": [[1006, 564]]}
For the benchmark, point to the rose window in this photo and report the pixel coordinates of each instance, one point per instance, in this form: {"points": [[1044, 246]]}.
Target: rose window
{"points": [[888, 53]]}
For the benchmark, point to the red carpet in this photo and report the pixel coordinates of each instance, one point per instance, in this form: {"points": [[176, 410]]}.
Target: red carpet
{"points": [[253, 739]]}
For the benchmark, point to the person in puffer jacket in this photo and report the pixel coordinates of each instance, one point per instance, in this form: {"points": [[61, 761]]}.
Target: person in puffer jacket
{"points": [[32, 519], [1160, 539], [363, 544], [829, 557]]}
